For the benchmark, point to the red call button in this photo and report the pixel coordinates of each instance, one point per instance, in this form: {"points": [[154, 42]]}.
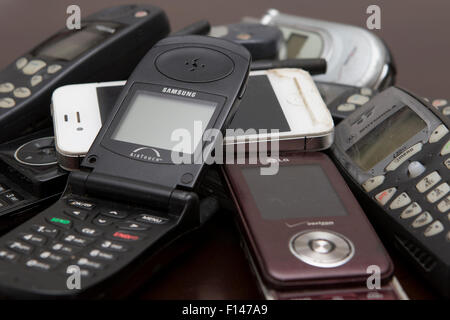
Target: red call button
{"points": [[125, 236]]}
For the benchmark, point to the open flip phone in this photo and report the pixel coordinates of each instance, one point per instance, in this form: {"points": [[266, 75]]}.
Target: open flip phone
{"points": [[355, 56], [108, 46], [305, 234], [132, 197], [395, 152]]}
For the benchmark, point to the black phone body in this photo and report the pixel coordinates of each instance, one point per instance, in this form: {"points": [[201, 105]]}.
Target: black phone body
{"points": [[394, 151], [127, 204], [117, 34], [30, 177]]}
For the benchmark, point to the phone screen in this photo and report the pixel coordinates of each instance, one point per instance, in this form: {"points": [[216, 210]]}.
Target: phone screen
{"points": [[296, 191]]}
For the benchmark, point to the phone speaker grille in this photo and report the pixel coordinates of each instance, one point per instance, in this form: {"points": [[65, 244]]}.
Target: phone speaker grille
{"points": [[423, 258]]}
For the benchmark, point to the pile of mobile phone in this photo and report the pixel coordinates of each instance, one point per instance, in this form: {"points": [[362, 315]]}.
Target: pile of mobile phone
{"points": [[287, 109]]}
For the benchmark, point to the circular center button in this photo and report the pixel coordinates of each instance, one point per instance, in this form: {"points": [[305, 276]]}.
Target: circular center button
{"points": [[322, 248], [194, 64], [321, 245]]}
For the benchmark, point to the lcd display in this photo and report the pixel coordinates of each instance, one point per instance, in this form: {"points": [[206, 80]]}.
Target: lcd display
{"points": [[152, 118], [295, 44], [70, 45], [386, 138], [296, 191]]}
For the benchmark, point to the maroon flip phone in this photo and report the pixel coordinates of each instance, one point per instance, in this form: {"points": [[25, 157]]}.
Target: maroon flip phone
{"points": [[305, 233]]}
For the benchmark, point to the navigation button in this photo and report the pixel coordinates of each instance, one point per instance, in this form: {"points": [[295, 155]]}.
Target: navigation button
{"points": [[366, 91], [6, 87], [428, 182], [433, 229], [81, 204], [422, 220], [115, 214], [102, 221], [35, 80], [358, 99], [81, 215], [147, 218], [446, 111], [438, 193], [130, 225], [415, 169], [413, 210], [22, 92], [402, 200], [405, 155], [53, 68], [7, 103], [384, 196], [446, 149], [438, 134], [444, 205], [346, 107], [33, 66], [21, 62]]}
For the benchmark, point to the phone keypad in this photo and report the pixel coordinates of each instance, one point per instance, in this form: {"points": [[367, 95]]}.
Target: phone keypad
{"points": [[84, 234], [432, 214]]}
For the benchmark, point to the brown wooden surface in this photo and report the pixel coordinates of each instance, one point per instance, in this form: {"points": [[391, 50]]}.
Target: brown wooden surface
{"points": [[415, 30]]}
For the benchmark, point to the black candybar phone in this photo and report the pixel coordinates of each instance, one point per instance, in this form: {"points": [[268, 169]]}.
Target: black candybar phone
{"points": [[132, 196], [108, 46], [30, 177], [395, 152]]}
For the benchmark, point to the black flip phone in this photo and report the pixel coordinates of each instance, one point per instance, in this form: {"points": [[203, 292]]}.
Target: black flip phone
{"points": [[131, 198], [108, 46]]}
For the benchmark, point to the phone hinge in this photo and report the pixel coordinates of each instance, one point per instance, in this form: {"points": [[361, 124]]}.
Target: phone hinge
{"points": [[122, 189]]}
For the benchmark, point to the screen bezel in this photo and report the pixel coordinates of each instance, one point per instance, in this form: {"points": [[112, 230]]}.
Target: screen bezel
{"points": [[125, 148], [67, 33]]}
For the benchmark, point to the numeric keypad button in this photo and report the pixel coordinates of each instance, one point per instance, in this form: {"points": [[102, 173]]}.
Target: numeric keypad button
{"points": [[51, 257], [83, 272], [384, 196], [85, 262], [445, 149], [95, 253], [434, 229], [7, 103], [33, 239], [6, 87], [372, 183], [33, 66], [438, 134], [39, 265], [402, 200], [50, 232], [428, 182], [35, 80], [447, 163], [53, 68], [63, 249], [422, 220], [438, 193], [444, 205], [358, 99], [411, 211], [76, 240], [21, 62], [113, 246], [346, 107], [22, 92], [20, 247], [8, 255]]}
